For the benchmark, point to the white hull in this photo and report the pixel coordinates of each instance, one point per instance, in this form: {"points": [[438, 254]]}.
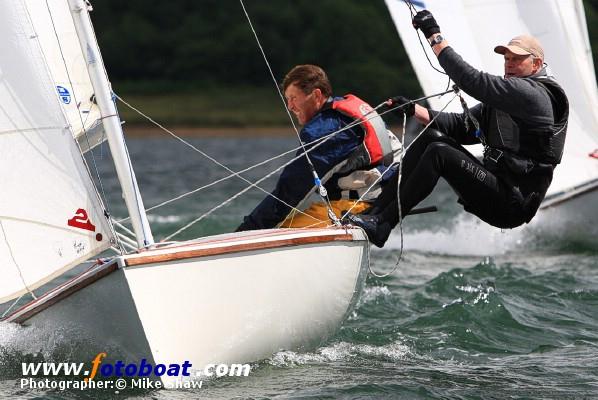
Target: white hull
{"points": [[260, 293], [570, 214]]}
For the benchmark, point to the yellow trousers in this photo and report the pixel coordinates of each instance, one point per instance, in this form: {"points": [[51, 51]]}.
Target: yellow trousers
{"points": [[318, 212]]}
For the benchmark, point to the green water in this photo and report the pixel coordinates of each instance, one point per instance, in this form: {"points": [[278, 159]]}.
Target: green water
{"points": [[472, 312]]}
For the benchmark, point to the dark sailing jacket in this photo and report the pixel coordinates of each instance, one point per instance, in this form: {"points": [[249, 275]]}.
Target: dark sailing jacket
{"points": [[523, 125], [522, 141]]}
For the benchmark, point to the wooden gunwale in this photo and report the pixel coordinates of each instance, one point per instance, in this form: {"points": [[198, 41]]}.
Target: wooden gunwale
{"points": [[142, 259]]}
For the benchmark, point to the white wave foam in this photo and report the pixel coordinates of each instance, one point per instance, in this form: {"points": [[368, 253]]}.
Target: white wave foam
{"points": [[465, 235], [371, 293], [342, 351], [482, 293], [9, 333], [16, 338]]}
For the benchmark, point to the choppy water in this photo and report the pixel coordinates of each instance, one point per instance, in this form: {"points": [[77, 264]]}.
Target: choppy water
{"points": [[471, 313]]}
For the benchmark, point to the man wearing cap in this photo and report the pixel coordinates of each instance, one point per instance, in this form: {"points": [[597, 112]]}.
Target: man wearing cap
{"points": [[521, 121]]}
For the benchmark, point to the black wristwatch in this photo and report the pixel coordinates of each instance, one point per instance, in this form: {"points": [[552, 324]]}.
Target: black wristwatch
{"points": [[436, 40]]}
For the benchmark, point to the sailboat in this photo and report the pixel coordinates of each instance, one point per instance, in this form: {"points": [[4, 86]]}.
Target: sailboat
{"points": [[474, 28], [229, 298]]}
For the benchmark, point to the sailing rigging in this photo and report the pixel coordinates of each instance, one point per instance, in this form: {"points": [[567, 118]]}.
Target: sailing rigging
{"points": [[126, 299]]}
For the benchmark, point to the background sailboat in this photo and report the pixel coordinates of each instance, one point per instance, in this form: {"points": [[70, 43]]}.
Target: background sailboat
{"points": [[222, 299], [474, 28]]}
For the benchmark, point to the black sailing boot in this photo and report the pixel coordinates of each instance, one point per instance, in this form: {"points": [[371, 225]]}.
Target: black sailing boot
{"points": [[377, 230], [373, 210]]}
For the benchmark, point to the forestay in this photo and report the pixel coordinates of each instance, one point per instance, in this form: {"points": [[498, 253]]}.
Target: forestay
{"points": [[475, 27], [51, 217], [54, 26]]}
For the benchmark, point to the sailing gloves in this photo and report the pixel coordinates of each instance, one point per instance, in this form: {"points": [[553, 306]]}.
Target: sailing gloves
{"points": [[424, 20], [406, 106]]}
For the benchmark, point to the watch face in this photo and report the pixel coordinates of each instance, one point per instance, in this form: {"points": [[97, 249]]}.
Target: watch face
{"points": [[436, 40]]}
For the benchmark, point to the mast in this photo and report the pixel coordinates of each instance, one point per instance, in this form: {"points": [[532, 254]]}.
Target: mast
{"points": [[111, 121]]}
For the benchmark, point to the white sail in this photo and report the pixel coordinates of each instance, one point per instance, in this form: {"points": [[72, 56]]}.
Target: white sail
{"points": [[471, 28], [130, 294], [50, 215], [54, 27], [431, 80]]}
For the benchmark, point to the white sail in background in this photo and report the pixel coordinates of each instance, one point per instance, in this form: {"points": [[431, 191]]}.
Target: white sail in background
{"points": [[430, 80], [54, 27], [474, 27], [51, 218]]}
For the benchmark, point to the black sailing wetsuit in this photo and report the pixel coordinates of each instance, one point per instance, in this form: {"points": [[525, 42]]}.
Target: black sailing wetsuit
{"points": [[501, 194]]}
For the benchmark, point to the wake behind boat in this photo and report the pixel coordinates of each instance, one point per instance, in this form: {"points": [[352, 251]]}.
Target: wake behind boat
{"points": [[231, 298]]}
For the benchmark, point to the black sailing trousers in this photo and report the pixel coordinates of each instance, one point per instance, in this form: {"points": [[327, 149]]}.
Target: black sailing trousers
{"points": [[435, 155]]}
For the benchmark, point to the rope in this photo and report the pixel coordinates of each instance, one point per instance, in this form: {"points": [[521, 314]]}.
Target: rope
{"points": [[12, 305], [400, 162], [411, 7], [284, 103], [400, 175], [406, 148], [321, 189], [413, 11], [154, 207], [324, 139], [164, 203], [233, 173], [356, 122], [395, 163], [315, 145]]}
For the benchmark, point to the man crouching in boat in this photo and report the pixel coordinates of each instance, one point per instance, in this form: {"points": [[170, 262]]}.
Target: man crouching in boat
{"points": [[345, 162], [521, 121]]}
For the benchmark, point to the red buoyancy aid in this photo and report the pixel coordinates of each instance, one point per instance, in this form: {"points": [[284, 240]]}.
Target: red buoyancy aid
{"points": [[376, 143]]}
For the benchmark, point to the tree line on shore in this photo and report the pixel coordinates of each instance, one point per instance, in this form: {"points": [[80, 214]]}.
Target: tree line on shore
{"points": [[164, 46]]}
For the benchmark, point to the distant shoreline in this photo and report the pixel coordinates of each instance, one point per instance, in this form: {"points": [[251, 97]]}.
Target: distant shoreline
{"points": [[140, 131], [190, 131]]}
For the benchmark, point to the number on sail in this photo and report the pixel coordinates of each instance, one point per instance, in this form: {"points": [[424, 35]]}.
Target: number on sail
{"points": [[81, 220]]}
